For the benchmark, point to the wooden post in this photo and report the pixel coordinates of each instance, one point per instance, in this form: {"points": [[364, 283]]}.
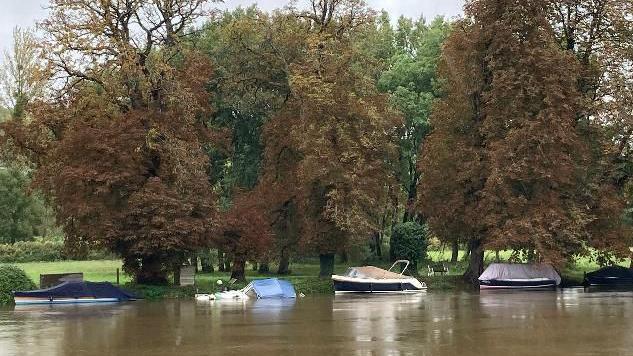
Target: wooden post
{"points": [[117, 276]]}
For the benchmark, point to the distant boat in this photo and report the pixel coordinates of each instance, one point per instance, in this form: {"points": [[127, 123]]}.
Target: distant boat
{"points": [[73, 292], [609, 276], [519, 276], [370, 279]]}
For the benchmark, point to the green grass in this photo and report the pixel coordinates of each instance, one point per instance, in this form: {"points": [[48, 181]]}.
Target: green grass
{"points": [[96, 271]]}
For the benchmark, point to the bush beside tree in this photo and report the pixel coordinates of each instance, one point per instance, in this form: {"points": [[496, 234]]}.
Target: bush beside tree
{"points": [[409, 242]]}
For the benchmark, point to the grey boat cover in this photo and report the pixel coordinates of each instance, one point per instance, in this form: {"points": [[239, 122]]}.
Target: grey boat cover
{"points": [[521, 271]]}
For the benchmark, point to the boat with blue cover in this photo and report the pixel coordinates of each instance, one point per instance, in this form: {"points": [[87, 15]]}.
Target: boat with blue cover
{"points": [[73, 292], [610, 276]]}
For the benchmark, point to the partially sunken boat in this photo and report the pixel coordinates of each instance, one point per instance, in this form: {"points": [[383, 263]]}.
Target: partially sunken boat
{"points": [[73, 292], [371, 279], [269, 288], [519, 276], [609, 276]]}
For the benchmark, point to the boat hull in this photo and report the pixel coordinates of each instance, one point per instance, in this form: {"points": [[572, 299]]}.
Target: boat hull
{"points": [[358, 285], [608, 281], [517, 284], [33, 301]]}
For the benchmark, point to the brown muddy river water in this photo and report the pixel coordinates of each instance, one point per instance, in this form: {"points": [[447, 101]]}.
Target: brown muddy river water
{"points": [[569, 322]]}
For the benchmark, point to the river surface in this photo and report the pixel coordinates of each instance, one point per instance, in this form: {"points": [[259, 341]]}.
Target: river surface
{"points": [[569, 322]]}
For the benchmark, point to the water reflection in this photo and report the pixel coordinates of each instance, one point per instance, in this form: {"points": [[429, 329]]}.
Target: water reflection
{"points": [[574, 321]]}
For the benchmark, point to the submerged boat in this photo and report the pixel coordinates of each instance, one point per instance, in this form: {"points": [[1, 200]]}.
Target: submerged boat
{"points": [[269, 288], [609, 276], [74, 292], [519, 276], [371, 279]]}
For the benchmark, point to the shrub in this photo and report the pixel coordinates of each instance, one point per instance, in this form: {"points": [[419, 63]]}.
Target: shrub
{"points": [[31, 251], [43, 251], [13, 279], [409, 242]]}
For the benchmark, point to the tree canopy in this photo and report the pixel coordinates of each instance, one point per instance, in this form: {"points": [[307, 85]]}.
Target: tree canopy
{"points": [[156, 129]]}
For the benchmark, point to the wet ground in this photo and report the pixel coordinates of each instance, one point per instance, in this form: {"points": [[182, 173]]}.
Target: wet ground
{"points": [[569, 322]]}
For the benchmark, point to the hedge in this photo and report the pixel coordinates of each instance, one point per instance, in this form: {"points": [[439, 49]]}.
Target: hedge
{"points": [[42, 251]]}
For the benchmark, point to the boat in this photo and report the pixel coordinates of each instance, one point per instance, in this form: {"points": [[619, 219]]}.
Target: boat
{"points": [[269, 288], [73, 292], [609, 276], [519, 276], [370, 279]]}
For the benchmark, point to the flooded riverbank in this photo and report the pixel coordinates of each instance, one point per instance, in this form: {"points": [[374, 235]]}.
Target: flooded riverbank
{"points": [[571, 321]]}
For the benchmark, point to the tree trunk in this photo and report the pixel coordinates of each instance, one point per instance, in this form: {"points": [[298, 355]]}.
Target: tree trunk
{"points": [[344, 256], [379, 245], [255, 266], [497, 257], [238, 270], [176, 271], [263, 267], [455, 251], [227, 262], [206, 261], [467, 254], [194, 261], [284, 263], [221, 261], [475, 263], [151, 272], [326, 264]]}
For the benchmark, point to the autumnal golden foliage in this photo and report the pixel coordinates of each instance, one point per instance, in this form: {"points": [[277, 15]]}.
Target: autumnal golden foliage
{"points": [[329, 146], [509, 164]]}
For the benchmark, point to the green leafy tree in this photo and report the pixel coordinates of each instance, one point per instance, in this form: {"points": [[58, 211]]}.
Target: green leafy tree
{"points": [[411, 81], [23, 215]]}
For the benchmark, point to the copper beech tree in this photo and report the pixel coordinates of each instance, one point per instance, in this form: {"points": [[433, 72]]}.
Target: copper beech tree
{"points": [[509, 164], [119, 148], [245, 230]]}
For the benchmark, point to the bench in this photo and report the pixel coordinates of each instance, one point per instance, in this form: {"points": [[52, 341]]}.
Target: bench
{"points": [[437, 268]]}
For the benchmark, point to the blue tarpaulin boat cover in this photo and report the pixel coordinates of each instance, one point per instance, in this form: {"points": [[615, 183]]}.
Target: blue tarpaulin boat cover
{"points": [[271, 288], [75, 289]]}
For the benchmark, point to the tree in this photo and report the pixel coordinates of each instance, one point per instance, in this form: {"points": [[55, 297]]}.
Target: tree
{"points": [[22, 215], [244, 231], [120, 147], [507, 163], [338, 129], [251, 56], [411, 81], [22, 77]]}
